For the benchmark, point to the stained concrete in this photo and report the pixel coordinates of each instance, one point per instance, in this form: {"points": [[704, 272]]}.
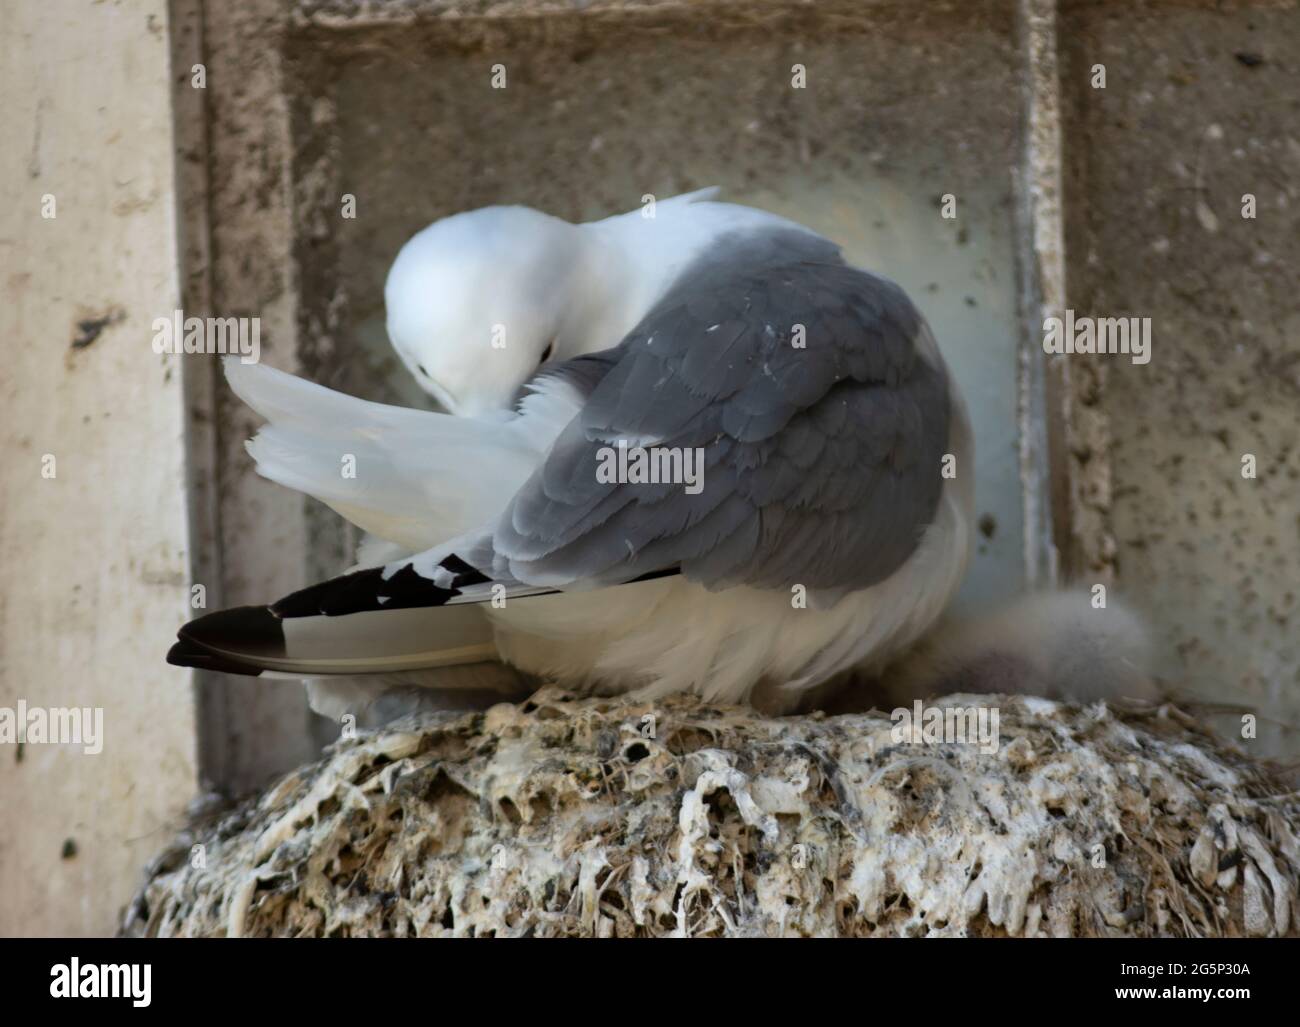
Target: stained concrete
{"points": [[1200, 107], [94, 558]]}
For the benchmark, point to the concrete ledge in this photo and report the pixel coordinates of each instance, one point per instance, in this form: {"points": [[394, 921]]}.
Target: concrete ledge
{"points": [[568, 817]]}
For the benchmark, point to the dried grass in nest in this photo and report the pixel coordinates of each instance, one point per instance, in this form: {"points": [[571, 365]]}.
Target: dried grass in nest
{"points": [[579, 817]]}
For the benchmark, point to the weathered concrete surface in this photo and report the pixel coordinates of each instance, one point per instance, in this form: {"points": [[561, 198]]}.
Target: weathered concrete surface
{"points": [[1200, 108], [94, 559], [564, 817], [252, 729]]}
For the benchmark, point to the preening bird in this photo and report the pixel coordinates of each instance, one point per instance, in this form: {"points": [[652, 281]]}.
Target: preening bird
{"points": [[689, 452]]}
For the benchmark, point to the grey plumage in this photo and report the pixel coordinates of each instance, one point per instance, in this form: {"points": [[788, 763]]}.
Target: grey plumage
{"points": [[822, 464]]}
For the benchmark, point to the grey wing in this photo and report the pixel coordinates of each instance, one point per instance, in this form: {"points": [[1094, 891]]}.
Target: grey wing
{"points": [[799, 382]]}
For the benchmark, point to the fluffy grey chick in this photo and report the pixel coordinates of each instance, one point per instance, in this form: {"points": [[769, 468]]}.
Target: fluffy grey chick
{"points": [[1053, 644]]}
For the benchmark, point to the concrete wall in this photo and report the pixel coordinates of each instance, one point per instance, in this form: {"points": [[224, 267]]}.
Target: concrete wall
{"points": [[94, 559], [1200, 108]]}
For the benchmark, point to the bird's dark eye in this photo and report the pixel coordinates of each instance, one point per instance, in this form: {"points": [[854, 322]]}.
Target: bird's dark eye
{"points": [[422, 370], [546, 354]]}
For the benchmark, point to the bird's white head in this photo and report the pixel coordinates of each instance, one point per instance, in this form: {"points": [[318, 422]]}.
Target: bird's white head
{"points": [[477, 302]]}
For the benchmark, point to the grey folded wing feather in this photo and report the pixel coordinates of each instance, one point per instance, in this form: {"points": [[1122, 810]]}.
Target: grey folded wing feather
{"points": [[821, 461]]}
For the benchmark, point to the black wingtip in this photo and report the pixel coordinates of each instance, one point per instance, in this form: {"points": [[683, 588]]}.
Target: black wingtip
{"points": [[239, 640], [230, 641], [363, 591], [189, 654], [249, 630]]}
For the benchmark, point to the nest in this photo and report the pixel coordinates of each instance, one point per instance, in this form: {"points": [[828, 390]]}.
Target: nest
{"points": [[606, 817]]}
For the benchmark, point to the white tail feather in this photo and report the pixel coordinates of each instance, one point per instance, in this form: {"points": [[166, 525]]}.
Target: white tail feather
{"points": [[417, 478]]}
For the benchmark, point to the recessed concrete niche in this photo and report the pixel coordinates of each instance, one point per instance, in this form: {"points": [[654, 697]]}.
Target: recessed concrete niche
{"points": [[901, 105], [811, 116]]}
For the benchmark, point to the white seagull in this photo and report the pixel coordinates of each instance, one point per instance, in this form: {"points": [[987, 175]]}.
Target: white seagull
{"points": [[689, 452]]}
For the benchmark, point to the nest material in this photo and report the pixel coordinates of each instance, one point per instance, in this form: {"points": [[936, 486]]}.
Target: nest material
{"points": [[566, 816]]}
